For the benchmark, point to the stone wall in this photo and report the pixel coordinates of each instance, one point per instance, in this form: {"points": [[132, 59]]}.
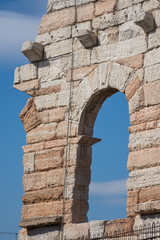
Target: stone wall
{"points": [[85, 51]]}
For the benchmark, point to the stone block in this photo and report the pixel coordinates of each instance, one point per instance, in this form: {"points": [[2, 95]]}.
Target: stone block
{"points": [[146, 21], [45, 233], [33, 51], [28, 87], [144, 126], [109, 35], [33, 147], [97, 229], [28, 162], [152, 73], [143, 178], [41, 180], [25, 73], [143, 159], [58, 19], [135, 62], [156, 13], [146, 114], [75, 231], [152, 57], [129, 30], [146, 139], [81, 27], [43, 132], [104, 6], [132, 198], [153, 39], [29, 116], [149, 194], [119, 50], [44, 39], [122, 224], [49, 159], [43, 195], [150, 5], [54, 5], [88, 39], [85, 12], [38, 211], [81, 2], [46, 102], [132, 88], [47, 90], [137, 101], [61, 34], [59, 48], [80, 73], [62, 129], [152, 93], [121, 4], [54, 70], [119, 76], [97, 80], [82, 58]]}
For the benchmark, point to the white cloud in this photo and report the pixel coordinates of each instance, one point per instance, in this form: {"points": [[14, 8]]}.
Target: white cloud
{"points": [[15, 29], [109, 188]]}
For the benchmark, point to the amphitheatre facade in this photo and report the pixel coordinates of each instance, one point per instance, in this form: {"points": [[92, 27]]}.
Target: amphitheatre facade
{"points": [[86, 51]]}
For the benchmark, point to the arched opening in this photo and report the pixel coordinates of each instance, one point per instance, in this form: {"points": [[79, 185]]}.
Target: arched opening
{"points": [[107, 191], [109, 157]]}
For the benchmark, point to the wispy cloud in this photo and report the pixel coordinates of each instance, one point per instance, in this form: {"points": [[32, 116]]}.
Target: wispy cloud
{"points": [[16, 28], [118, 200], [110, 188]]}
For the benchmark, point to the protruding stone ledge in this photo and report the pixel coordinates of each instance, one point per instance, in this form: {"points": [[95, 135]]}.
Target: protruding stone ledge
{"points": [[146, 21], [33, 51], [41, 221], [87, 140], [87, 38]]}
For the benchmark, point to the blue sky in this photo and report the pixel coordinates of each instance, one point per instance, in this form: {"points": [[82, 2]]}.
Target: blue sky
{"points": [[19, 21]]}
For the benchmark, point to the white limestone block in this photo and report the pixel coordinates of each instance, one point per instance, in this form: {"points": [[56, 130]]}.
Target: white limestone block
{"points": [[143, 178], [119, 76], [28, 162], [119, 50], [152, 57], [33, 51], [129, 30], [87, 38], [152, 73], [109, 20], [54, 5], [153, 39], [25, 73], [82, 58], [46, 101], [44, 38], [59, 48], [80, 27], [97, 229]]}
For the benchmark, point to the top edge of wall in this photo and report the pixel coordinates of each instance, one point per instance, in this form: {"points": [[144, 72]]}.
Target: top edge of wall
{"points": [[54, 5]]}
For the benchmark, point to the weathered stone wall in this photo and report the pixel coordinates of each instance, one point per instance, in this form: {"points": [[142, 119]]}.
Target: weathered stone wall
{"points": [[103, 47]]}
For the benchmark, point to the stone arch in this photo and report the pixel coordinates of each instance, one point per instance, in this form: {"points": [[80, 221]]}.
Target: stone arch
{"points": [[92, 92], [114, 47]]}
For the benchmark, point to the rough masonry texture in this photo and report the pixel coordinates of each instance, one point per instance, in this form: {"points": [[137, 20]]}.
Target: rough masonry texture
{"points": [[100, 47]]}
